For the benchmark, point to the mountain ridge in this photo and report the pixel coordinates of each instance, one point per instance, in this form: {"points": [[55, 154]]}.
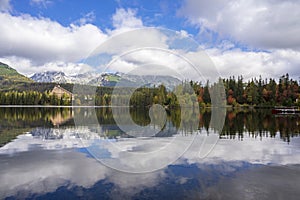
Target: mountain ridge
{"points": [[11, 78], [105, 79]]}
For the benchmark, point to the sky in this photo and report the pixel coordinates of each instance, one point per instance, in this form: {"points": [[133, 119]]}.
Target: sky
{"points": [[240, 37]]}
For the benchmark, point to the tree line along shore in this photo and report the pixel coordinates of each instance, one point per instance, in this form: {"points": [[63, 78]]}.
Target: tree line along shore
{"points": [[254, 92]]}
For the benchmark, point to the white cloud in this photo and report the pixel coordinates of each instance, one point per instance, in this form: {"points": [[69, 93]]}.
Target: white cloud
{"points": [[32, 44], [27, 67], [68, 68], [264, 24], [151, 62], [162, 62], [20, 64], [5, 5], [132, 39], [87, 18], [226, 59], [155, 52], [252, 64], [126, 19], [42, 40], [270, 25]]}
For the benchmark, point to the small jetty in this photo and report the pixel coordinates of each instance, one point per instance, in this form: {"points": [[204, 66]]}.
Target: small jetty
{"points": [[286, 110]]}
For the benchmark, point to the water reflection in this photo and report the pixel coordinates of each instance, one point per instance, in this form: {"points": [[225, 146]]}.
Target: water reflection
{"points": [[260, 123], [257, 156], [73, 174], [238, 123]]}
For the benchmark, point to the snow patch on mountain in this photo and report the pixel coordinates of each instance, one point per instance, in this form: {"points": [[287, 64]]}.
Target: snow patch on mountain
{"points": [[106, 79]]}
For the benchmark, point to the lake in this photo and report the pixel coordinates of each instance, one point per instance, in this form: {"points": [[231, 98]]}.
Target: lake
{"points": [[101, 153]]}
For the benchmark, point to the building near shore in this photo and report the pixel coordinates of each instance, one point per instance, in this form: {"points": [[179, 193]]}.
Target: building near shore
{"points": [[62, 92]]}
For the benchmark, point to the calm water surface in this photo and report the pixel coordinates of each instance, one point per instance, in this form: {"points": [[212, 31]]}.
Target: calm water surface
{"points": [[46, 153]]}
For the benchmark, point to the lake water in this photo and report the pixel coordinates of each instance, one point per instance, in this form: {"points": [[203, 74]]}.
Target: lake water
{"points": [[82, 153]]}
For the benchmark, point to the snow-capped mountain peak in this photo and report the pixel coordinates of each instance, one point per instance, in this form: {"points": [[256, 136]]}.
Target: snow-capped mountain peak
{"points": [[51, 77], [105, 79]]}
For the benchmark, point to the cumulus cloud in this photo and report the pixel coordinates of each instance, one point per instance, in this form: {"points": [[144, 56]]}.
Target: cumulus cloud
{"points": [[223, 60], [22, 65], [32, 44], [133, 39], [35, 44], [263, 24], [27, 67], [126, 19], [253, 64], [270, 25], [152, 62], [43, 40], [155, 52]]}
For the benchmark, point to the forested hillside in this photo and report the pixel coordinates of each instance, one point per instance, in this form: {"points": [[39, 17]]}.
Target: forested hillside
{"points": [[10, 78]]}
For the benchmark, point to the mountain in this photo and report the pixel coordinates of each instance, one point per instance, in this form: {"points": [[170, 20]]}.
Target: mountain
{"points": [[61, 77], [106, 79], [90, 78], [51, 77], [10, 78], [152, 80]]}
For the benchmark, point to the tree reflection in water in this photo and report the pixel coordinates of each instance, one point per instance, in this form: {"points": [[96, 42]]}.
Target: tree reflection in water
{"points": [[257, 123]]}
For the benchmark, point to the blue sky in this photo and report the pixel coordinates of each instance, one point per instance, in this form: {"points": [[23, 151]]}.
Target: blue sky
{"points": [[67, 12], [249, 38], [153, 13]]}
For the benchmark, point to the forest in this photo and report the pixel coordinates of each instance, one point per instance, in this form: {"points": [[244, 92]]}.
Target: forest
{"points": [[254, 92]]}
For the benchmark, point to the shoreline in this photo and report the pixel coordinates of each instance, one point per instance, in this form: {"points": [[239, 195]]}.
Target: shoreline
{"points": [[53, 106], [91, 106]]}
